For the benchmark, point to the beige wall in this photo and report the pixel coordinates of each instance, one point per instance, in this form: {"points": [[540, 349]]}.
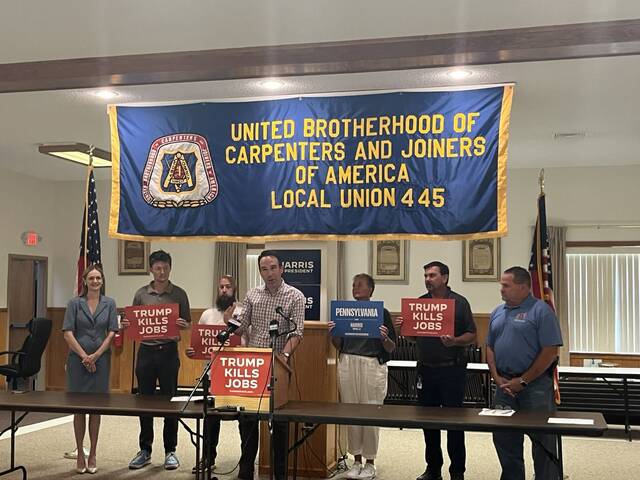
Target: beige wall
{"points": [[191, 260], [25, 204]]}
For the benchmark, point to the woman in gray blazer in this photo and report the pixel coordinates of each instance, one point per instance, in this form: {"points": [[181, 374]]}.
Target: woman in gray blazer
{"points": [[90, 323]]}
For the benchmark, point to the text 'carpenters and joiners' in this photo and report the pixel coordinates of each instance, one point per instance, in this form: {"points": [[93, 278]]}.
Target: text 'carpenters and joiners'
{"points": [[323, 140]]}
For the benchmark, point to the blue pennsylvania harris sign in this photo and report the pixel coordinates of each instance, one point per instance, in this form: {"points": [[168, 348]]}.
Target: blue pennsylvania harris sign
{"points": [[356, 319], [419, 164]]}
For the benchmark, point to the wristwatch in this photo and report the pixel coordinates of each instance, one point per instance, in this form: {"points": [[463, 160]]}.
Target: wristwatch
{"points": [[286, 355], [523, 382]]}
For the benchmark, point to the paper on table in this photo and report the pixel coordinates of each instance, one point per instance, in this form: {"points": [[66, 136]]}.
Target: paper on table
{"points": [[572, 421], [184, 398], [496, 413]]}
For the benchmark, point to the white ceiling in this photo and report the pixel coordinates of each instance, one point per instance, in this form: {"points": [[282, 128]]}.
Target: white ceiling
{"points": [[45, 29], [596, 96]]}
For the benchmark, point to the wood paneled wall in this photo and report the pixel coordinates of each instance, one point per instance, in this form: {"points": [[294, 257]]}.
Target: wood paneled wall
{"points": [[56, 352], [190, 370], [4, 342], [482, 325], [313, 348]]}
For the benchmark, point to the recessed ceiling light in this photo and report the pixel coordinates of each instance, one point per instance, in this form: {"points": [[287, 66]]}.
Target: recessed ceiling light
{"points": [[271, 83], [459, 74], [106, 94]]}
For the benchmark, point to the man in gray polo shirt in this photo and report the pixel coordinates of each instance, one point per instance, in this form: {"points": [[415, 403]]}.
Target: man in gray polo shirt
{"points": [[522, 349], [158, 360]]}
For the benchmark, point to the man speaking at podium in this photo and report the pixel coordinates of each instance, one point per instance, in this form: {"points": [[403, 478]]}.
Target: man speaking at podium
{"points": [[275, 300]]}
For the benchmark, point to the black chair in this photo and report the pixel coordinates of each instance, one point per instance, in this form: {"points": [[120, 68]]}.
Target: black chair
{"points": [[26, 362]]}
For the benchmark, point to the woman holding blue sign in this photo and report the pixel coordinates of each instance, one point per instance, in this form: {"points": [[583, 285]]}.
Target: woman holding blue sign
{"points": [[362, 378]]}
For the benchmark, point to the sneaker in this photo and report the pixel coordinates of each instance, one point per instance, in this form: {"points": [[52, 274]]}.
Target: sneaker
{"points": [[203, 466], [73, 455], [354, 471], [142, 459], [171, 462], [367, 472]]}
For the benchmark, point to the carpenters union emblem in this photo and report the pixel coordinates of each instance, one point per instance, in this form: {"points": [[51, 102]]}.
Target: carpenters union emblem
{"points": [[179, 172]]}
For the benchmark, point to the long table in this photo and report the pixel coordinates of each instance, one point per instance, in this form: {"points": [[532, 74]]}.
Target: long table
{"points": [[91, 403], [623, 376], [468, 419], [299, 411]]}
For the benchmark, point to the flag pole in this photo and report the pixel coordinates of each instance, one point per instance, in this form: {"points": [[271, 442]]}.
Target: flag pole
{"points": [[86, 204], [543, 295]]}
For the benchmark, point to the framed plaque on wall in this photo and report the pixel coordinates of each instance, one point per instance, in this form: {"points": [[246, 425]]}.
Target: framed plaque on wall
{"points": [[481, 260]]}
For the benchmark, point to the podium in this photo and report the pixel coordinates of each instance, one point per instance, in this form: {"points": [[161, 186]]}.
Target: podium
{"points": [[240, 378], [313, 377]]}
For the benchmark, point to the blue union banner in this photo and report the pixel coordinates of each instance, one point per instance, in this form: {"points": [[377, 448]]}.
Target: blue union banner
{"points": [[418, 164]]}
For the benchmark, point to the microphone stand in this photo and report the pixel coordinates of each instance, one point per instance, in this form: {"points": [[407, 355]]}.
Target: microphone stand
{"points": [[273, 333], [289, 320], [206, 401]]}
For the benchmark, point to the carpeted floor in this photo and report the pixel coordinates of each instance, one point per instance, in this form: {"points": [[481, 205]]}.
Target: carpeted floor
{"points": [[5, 418], [400, 454]]}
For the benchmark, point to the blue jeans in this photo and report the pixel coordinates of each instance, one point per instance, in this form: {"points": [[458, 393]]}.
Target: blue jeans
{"points": [[538, 395]]}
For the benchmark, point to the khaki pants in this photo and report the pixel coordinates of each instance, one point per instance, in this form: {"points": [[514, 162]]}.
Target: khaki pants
{"points": [[362, 380]]}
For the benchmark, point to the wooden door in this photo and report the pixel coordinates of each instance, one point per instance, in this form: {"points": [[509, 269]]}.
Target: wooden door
{"points": [[26, 297], [21, 301]]}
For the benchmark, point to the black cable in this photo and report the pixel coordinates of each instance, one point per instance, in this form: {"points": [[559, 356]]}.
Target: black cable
{"points": [[343, 455]]}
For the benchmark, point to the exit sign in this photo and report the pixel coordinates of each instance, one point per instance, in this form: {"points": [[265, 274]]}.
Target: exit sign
{"points": [[31, 238]]}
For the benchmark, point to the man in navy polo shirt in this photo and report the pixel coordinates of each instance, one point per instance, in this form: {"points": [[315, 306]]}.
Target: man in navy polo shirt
{"points": [[522, 349]]}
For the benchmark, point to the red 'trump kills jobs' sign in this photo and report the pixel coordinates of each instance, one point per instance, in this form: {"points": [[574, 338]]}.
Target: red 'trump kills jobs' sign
{"points": [[243, 373], [427, 317], [152, 322], [205, 343]]}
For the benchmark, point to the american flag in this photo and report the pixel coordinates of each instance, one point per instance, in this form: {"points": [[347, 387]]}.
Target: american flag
{"points": [[90, 235], [540, 263], [541, 273]]}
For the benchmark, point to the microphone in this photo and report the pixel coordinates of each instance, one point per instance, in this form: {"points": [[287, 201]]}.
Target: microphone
{"points": [[280, 312], [224, 335], [273, 328]]}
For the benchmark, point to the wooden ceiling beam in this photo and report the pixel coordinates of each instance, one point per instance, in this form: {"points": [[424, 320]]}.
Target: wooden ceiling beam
{"points": [[556, 42]]}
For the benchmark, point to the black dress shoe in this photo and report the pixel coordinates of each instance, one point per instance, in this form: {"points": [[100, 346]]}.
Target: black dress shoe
{"points": [[457, 476], [430, 475]]}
